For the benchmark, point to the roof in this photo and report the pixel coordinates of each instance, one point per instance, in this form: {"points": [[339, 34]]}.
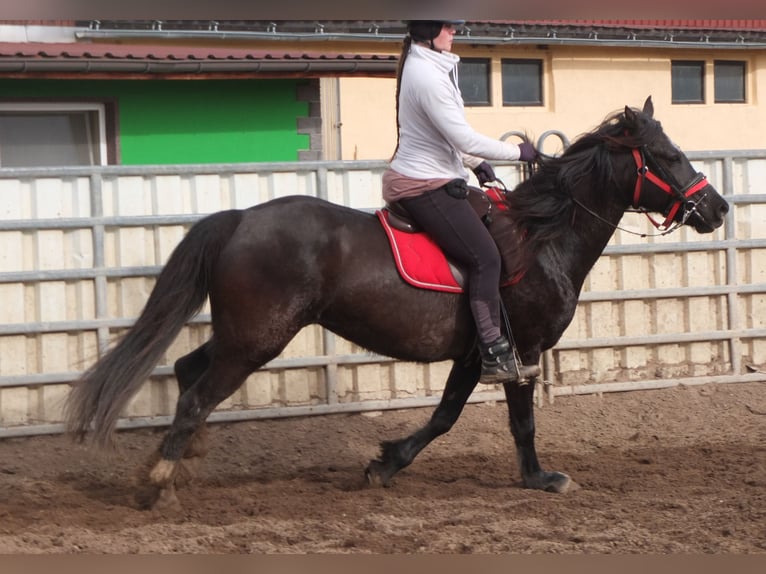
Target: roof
{"points": [[158, 59], [745, 32], [735, 25], [196, 48], [360, 25], [397, 27]]}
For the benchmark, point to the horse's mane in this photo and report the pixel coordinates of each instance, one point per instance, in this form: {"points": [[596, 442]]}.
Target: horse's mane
{"points": [[542, 206]]}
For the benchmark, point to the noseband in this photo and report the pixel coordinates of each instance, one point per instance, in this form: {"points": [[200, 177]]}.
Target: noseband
{"points": [[682, 194]]}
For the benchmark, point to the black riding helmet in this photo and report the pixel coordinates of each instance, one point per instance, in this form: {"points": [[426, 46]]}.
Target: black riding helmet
{"points": [[426, 30]]}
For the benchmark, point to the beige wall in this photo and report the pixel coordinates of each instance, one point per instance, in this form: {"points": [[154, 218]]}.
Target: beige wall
{"points": [[582, 85]]}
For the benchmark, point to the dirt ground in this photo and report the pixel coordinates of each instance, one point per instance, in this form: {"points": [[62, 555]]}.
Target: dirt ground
{"points": [[681, 470]]}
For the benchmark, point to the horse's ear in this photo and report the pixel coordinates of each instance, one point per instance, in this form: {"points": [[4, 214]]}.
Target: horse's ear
{"points": [[630, 117], [649, 107]]}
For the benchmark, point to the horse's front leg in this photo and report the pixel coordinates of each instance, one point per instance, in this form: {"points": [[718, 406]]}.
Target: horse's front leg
{"points": [[395, 455], [522, 421]]}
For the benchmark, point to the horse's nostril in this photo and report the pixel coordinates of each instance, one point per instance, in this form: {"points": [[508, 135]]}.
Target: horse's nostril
{"points": [[724, 208]]}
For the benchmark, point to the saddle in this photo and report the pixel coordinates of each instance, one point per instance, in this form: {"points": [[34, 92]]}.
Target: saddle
{"points": [[422, 263]]}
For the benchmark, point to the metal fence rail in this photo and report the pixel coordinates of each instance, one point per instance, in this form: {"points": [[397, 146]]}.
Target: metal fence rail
{"points": [[353, 184]]}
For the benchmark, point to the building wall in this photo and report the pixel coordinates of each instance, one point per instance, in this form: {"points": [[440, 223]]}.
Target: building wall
{"points": [[582, 85], [208, 121], [200, 121]]}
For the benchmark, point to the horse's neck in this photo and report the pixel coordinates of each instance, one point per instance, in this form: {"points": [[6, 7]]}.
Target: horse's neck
{"points": [[580, 246]]}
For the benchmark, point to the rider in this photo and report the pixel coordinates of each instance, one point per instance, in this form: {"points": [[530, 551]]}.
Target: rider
{"points": [[428, 178]]}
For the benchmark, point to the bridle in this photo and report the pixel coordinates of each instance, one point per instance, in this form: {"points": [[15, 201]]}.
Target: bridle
{"points": [[664, 182], [669, 185]]}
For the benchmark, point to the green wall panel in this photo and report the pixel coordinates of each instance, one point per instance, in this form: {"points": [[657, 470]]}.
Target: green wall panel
{"points": [[195, 121]]}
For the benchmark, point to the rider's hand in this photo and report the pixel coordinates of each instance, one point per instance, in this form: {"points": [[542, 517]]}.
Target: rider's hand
{"points": [[484, 173], [527, 152]]}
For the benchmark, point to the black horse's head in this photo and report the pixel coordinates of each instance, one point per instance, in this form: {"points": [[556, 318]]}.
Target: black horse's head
{"points": [[627, 160], [665, 180]]}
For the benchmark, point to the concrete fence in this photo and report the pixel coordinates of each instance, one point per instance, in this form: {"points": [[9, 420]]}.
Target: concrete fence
{"points": [[80, 249]]}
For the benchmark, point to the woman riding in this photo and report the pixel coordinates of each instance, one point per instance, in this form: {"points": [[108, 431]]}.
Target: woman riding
{"points": [[427, 176]]}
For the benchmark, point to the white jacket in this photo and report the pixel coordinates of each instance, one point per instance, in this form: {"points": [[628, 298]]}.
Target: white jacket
{"points": [[435, 139]]}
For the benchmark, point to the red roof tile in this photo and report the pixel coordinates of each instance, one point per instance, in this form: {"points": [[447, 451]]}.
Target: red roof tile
{"points": [[167, 52], [142, 59]]}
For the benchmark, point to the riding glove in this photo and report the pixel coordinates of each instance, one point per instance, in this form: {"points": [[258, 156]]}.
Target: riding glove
{"points": [[527, 152], [484, 173]]}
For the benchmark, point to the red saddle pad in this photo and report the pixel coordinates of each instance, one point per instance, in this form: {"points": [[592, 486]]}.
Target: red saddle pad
{"points": [[420, 261]]}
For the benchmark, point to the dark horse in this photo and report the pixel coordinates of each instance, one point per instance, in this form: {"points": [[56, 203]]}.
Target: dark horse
{"points": [[274, 268]]}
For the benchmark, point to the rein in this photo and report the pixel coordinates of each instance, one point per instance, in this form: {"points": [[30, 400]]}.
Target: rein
{"points": [[682, 195]]}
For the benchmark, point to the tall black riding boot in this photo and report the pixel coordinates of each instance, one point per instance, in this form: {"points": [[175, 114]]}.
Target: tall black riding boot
{"points": [[498, 364]]}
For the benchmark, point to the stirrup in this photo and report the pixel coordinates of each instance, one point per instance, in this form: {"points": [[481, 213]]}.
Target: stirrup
{"points": [[500, 363]]}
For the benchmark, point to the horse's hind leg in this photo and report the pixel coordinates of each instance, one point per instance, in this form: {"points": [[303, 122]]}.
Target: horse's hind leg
{"points": [[216, 383], [188, 370], [522, 421], [395, 455]]}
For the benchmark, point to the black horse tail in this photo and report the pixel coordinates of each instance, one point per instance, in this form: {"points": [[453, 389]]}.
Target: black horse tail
{"points": [[102, 392]]}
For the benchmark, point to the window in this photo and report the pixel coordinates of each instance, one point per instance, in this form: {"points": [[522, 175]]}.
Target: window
{"points": [[729, 82], [687, 82], [52, 134], [473, 77], [522, 82]]}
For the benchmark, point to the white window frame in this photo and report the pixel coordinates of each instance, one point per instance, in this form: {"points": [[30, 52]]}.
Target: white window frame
{"points": [[99, 108]]}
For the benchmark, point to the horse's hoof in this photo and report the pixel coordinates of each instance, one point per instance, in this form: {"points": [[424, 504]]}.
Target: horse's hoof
{"points": [[557, 482], [146, 496], [561, 483], [167, 502], [186, 470], [375, 475], [156, 499]]}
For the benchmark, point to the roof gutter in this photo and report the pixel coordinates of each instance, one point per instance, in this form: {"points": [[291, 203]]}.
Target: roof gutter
{"points": [[614, 43], [318, 36], [145, 66]]}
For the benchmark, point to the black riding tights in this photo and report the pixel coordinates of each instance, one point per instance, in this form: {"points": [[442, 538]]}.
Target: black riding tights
{"points": [[456, 228]]}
